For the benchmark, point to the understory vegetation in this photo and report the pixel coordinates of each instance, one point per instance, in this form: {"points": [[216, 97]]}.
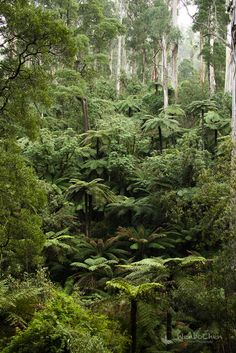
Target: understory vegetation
{"points": [[116, 180]]}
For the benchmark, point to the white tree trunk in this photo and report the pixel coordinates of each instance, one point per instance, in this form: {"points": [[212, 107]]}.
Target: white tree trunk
{"points": [[233, 73], [120, 11], [233, 159], [111, 62], [228, 69], [212, 81], [118, 70], [202, 62], [165, 71], [175, 46]]}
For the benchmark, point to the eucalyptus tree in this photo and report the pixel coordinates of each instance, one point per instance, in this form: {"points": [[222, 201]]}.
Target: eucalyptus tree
{"points": [[159, 18], [137, 36], [211, 20], [175, 45]]}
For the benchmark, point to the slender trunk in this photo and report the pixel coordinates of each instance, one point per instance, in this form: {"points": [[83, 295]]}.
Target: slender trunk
{"points": [[84, 105], [212, 81], [118, 71], [119, 5], [133, 325], [216, 137], [144, 65], [111, 62], [154, 76], [86, 206], [175, 68], [125, 63], [233, 162], [133, 62], [130, 112], [228, 63], [168, 326], [165, 71], [90, 210], [211, 41], [202, 62], [175, 48], [203, 129], [160, 138]]}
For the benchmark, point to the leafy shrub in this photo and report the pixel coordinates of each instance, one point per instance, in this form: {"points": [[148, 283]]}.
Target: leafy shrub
{"points": [[64, 326]]}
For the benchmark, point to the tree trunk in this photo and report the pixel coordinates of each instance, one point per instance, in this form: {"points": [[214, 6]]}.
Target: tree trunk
{"points": [[203, 129], [154, 76], [86, 205], [168, 326], [111, 62], [84, 105], [216, 138], [90, 211], [233, 161], [211, 41], [228, 71], [202, 62], [212, 81], [133, 325], [119, 6], [175, 68], [175, 47], [118, 71], [165, 71], [233, 68], [160, 138], [144, 65]]}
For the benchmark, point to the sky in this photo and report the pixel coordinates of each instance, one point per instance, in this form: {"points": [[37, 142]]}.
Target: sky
{"points": [[184, 19]]}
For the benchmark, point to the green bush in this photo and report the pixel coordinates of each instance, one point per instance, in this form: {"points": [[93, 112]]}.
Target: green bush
{"points": [[65, 326]]}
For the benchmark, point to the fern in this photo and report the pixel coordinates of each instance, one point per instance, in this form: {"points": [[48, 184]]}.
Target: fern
{"points": [[135, 292]]}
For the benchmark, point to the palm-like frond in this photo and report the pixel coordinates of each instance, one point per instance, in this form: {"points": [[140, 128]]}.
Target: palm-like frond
{"points": [[58, 240], [111, 249], [134, 292], [166, 123], [130, 104], [197, 107], [92, 136], [100, 193], [215, 121]]}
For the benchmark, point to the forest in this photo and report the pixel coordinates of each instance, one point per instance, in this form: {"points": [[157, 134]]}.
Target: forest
{"points": [[117, 176]]}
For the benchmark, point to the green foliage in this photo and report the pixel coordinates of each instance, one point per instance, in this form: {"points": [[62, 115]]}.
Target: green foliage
{"points": [[20, 299], [22, 199], [33, 35], [100, 193], [129, 194], [56, 155], [65, 325], [134, 292], [112, 248]]}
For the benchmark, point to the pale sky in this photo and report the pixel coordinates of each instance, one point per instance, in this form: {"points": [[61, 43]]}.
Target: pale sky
{"points": [[184, 19]]}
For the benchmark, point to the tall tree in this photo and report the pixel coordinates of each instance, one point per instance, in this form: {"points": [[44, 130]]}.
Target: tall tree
{"points": [[175, 45]]}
